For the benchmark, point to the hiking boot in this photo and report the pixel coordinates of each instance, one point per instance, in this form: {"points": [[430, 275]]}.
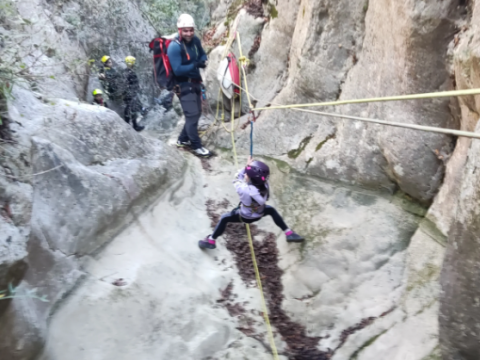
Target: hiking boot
{"points": [[207, 243], [183, 143], [294, 237], [139, 128], [144, 111], [202, 152]]}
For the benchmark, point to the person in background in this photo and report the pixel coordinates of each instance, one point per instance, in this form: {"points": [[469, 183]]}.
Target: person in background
{"points": [[186, 57], [98, 98], [110, 79], [133, 107]]}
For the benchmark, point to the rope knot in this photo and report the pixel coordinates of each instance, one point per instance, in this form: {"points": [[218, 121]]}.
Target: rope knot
{"points": [[244, 60]]}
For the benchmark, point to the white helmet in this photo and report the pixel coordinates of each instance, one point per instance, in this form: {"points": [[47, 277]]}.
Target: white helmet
{"points": [[185, 21]]}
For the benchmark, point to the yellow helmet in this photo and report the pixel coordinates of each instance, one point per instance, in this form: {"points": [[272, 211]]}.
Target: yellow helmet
{"points": [[97, 92], [130, 60], [105, 58]]}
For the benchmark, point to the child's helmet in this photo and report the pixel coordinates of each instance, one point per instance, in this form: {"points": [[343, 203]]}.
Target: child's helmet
{"points": [[105, 58], [97, 92], [258, 172]]}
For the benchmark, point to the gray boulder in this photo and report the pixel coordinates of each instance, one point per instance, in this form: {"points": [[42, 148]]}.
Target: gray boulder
{"points": [[90, 175]]}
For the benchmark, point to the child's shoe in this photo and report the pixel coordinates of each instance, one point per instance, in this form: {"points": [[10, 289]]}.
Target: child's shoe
{"points": [[292, 236], [207, 243]]}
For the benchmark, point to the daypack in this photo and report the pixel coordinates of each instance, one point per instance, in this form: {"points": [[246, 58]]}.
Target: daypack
{"points": [[162, 70]]}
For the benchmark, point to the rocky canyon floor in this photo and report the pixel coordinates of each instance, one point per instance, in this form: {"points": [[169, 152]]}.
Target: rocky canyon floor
{"points": [[363, 285]]}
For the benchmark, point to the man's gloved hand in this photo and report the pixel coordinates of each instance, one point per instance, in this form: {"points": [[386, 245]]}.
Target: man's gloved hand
{"points": [[200, 64]]}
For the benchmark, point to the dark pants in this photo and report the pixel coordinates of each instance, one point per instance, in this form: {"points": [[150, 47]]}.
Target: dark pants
{"points": [[133, 107], [166, 100], [233, 217], [191, 101]]}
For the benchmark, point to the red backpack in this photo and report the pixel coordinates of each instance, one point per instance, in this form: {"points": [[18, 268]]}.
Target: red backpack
{"points": [[162, 70]]}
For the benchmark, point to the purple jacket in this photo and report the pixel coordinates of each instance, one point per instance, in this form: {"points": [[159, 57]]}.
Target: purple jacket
{"points": [[248, 193]]}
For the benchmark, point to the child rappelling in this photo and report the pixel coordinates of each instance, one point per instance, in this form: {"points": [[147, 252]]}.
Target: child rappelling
{"points": [[253, 189], [134, 111]]}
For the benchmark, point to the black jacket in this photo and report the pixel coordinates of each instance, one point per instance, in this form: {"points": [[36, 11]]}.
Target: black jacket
{"points": [[112, 81], [131, 84]]}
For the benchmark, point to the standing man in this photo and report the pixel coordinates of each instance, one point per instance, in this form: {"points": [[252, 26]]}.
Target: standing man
{"points": [[133, 107], [186, 58]]}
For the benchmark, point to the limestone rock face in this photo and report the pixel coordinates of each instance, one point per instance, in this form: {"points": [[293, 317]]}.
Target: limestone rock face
{"points": [[358, 266], [457, 209], [90, 174], [459, 317], [349, 50]]}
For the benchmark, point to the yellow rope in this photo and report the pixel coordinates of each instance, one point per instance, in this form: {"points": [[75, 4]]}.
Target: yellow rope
{"points": [[264, 305], [243, 60], [228, 45], [380, 99], [233, 138], [434, 129]]}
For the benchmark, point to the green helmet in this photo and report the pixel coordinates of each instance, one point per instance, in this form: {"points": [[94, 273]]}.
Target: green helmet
{"points": [[105, 58], [97, 92]]}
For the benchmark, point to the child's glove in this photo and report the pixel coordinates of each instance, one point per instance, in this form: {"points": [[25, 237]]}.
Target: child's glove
{"points": [[237, 181], [237, 174]]}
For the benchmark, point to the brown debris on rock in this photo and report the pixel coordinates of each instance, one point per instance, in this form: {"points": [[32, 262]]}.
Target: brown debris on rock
{"points": [[254, 8], [359, 326], [119, 282], [236, 309], [299, 345]]}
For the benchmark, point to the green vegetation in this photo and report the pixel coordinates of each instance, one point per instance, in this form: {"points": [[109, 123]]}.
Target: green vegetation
{"points": [[366, 344], [409, 204], [431, 229], [365, 7], [273, 11], [163, 14], [282, 166], [293, 154], [319, 146], [13, 293], [6, 10], [434, 355], [424, 276]]}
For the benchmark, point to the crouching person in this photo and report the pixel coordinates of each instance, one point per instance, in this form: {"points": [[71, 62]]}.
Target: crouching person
{"points": [[98, 98]]}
